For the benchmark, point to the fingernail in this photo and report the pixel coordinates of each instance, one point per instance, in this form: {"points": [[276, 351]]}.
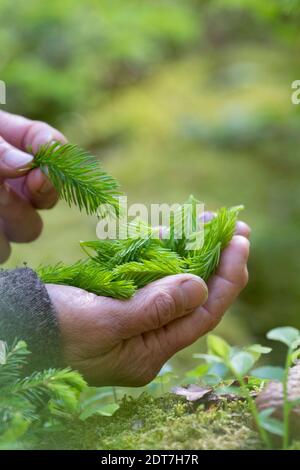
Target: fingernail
{"points": [[207, 216], [17, 159], [46, 187], [194, 292]]}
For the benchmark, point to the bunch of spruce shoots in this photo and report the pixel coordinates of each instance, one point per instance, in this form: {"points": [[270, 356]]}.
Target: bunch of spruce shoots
{"points": [[117, 268]]}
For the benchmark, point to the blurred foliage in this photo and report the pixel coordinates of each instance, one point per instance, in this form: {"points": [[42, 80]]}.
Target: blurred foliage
{"points": [[193, 97], [60, 56]]}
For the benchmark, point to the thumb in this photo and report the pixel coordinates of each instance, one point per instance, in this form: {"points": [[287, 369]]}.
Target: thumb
{"points": [[13, 162], [159, 303]]}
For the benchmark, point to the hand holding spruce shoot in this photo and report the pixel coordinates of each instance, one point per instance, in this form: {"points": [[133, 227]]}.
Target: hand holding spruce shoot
{"points": [[126, 342], [110, 340]]}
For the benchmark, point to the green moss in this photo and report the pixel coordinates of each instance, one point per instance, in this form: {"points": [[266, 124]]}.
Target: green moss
{"points": [[167, 422]]}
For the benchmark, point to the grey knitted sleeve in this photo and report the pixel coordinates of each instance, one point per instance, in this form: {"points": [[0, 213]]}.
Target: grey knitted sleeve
{"points": [[26, 313]]}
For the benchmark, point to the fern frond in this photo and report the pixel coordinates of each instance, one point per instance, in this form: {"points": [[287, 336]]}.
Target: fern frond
{"points": [[77, 176]]}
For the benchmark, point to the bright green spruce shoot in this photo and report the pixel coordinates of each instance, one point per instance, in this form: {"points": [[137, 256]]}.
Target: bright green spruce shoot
{"points": [[116, 268]]}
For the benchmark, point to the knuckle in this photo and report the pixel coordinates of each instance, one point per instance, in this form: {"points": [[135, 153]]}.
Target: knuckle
{"points": [[163, 307], [33, 130]]}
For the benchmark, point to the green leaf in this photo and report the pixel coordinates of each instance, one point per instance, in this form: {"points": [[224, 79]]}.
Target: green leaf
{"points": [[210, 358], [165, 378], [242, 362], [269, 372], [295, 355], [270, 424], [225, 390], [294, 403], [198, 371], [218, 346], [107, 409], [257, 348], [286, 334]]}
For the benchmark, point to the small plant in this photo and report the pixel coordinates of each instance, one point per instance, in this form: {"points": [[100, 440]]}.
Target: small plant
{"points": [[116, 268], [231, 371], [33, 403]]}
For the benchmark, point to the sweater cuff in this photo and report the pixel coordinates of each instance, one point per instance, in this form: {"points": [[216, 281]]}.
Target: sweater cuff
{"points": [[26, 313]]}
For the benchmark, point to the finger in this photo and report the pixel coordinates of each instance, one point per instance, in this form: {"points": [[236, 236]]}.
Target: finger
{"points": [[158, 304], [21, 222], [207, 216], [23, 133], [36, 188], [243, 229], [5, 248], [224, 287], [13, 162], [39, 190]]}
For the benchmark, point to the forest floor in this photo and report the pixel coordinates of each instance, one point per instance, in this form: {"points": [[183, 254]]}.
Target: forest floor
{"points": [[167, 422]]}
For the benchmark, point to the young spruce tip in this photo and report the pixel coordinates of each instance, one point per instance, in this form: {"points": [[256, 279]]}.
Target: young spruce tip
{"points": [[116, 268]]}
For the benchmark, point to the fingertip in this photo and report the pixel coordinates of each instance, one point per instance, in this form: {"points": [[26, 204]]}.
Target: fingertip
{"points": [[243, 229], [241, 243], [193, 289]]}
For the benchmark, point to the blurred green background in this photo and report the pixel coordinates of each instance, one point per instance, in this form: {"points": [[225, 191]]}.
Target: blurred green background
{"points": [[175, 98]]}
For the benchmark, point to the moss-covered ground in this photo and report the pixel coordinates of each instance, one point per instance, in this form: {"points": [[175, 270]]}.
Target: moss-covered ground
{"points": [[167, 422]]}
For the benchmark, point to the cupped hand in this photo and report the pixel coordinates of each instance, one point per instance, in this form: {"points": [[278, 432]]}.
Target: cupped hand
{"points": [[115, 342], [22, 191]]}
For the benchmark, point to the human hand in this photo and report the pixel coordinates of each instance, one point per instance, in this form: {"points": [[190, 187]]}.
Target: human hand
{"points": [[117, 342], [22, 191]]}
